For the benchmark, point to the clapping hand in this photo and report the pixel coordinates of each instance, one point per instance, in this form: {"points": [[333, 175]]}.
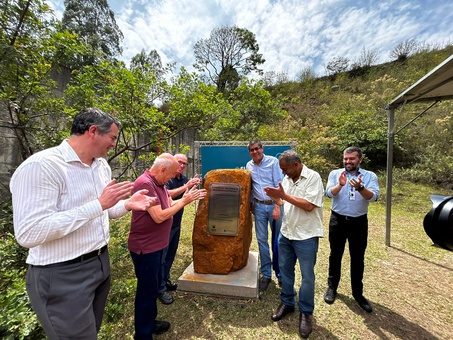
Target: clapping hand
{"points": [[194, 194], [193, 182], [114, 192], [356, 182], [140, 201], [275, 193]]}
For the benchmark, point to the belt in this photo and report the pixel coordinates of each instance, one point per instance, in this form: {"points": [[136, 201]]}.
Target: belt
{"points": [[348, 218], [78, 259], [267, 202]]}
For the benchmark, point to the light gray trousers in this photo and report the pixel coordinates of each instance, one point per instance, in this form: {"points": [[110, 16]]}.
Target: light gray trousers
{"points": [[69, 300]]}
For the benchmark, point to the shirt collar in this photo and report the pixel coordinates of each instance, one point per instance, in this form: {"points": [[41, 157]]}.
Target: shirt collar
{"points": [[70, 155], [303, 174], [152, 178], [261, 162], [356, 174]]}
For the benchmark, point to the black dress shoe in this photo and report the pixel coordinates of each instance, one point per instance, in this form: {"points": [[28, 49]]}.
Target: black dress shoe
{"points": [[281, 311], [171, 286], [330, 295], [305, 327], [161, 327], [363, 303], [264, 283], [165, 298]]}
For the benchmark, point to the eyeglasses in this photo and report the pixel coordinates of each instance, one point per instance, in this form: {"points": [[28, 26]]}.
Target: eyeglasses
{"points": [[182, 163], [254, 149]]}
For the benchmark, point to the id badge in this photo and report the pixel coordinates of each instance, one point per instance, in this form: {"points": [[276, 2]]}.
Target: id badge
{"points": [[352, 195]]}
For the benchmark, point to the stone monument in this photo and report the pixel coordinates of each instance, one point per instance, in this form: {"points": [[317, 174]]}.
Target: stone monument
{"points": [[223, 224]]}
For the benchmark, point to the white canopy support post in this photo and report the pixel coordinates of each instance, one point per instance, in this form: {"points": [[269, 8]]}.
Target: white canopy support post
{"points": [[390, 143], [435, 86], [388, 204]]}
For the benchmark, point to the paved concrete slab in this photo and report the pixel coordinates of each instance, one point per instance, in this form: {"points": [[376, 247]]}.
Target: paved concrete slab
{"points": [[242, 284]]}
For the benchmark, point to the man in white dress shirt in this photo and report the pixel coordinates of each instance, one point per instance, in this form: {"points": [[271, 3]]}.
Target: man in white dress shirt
{"points": [[63, 198]]}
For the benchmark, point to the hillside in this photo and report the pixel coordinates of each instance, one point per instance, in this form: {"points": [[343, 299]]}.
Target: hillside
{"points": [[329, 113]]}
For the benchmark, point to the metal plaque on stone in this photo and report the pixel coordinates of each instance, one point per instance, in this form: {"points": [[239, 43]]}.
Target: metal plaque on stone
{"points": [[223, 213]]}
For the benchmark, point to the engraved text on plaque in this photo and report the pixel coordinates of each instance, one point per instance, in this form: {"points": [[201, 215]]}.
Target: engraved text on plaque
{"points": [[223, 214]]}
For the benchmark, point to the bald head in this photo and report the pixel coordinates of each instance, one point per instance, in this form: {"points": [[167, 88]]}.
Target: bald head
{"points": [[164, 168]]}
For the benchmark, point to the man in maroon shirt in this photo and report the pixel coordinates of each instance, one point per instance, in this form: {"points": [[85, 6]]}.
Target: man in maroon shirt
{"points": [[149, 235]]}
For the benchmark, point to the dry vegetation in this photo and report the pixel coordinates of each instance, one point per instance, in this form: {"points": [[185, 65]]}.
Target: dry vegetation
{"points": [[408, 284]]}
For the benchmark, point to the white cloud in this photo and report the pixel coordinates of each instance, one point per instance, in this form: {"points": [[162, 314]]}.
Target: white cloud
{"points": [[292, 34]]}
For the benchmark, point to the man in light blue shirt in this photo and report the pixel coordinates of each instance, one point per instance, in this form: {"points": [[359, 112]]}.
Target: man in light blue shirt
{"points": [[265, 172], [351, 189]]}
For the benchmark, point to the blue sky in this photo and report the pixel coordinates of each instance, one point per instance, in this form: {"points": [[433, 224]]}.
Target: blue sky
{"points": [[293, 35]]}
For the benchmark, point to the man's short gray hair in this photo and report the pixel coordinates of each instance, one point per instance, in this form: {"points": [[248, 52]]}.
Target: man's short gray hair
{"points": [[353, 149], [163, 160], [290, 157]]}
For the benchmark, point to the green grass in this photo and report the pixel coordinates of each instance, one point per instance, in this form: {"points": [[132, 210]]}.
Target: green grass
{"points": [[408, 285]]}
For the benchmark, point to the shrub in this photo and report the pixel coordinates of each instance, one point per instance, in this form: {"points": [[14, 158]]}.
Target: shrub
{"points": [[17, 320], [436, 169]]}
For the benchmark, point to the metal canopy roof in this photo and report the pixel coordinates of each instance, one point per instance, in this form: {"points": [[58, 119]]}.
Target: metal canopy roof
{"points": [[436, 85]]}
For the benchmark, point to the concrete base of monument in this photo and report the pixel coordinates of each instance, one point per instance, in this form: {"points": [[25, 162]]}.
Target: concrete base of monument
{"points": [[241, 284]]}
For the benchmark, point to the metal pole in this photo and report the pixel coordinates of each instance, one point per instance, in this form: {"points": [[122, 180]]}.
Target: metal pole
{"points": [[390, 140]]}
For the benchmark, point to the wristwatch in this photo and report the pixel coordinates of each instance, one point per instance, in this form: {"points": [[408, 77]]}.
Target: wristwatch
{"points": [[361, 188]]}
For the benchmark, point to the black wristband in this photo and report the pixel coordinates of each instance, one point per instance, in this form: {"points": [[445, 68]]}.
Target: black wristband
{"points": [[361, 188]]}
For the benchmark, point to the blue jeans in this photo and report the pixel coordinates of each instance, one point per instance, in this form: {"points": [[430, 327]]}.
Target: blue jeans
{"points": [[263, 217], [148, 272], [289, 252], [168, 256]]}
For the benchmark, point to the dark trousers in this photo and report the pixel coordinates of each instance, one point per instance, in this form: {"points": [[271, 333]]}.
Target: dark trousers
{"points": [[69, 300], [274, 237], [355, 231], [148, 272], [169, 254]]}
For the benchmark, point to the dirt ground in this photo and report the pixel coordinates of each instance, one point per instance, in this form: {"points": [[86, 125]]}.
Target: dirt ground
{"points": [[409, 285]]}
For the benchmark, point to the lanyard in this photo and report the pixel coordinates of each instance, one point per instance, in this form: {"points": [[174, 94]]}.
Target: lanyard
{"points": [[352, 191]]}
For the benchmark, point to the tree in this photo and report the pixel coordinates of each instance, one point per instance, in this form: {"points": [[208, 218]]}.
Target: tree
{"points": [[337, 65], [363, 64], [404, 50], [29, 52], [272, 78], [306, 75], [367, 58], [228, 54], [145, 129], [146, 65], [228, 79], [250, 108], [30, 119], [195, 105], [94, 22], [126, 94]]}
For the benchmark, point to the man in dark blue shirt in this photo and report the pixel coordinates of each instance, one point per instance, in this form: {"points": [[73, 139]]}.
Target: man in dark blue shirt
{"points": [[176, 187]]}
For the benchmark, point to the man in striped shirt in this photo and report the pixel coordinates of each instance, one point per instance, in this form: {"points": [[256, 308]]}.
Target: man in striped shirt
{"points": [[63, 198]]}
